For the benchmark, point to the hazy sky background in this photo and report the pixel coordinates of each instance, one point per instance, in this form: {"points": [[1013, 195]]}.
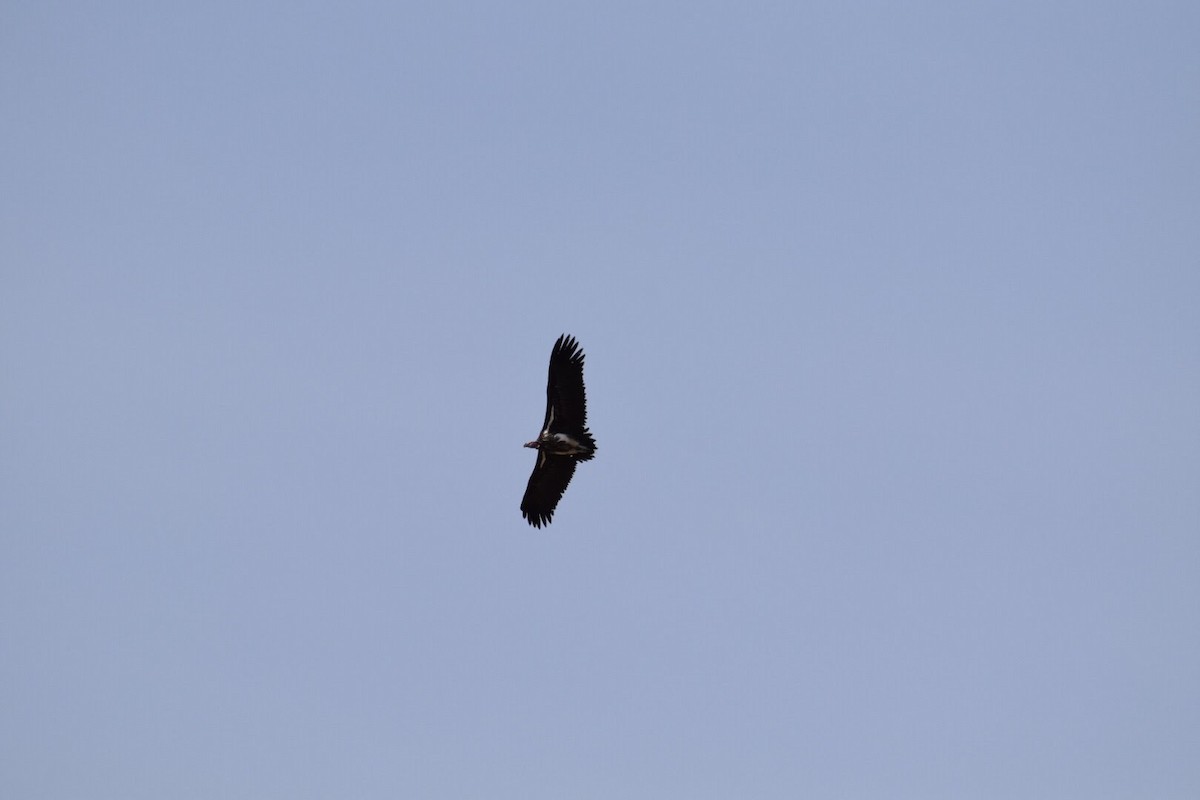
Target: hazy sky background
{"points": [[892, 319]]}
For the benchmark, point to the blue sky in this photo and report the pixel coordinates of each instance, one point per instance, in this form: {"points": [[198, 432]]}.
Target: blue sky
{"points": [[892, 316]]}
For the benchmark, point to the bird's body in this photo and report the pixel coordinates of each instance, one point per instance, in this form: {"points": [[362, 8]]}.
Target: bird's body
{"points": [[565, 439]]}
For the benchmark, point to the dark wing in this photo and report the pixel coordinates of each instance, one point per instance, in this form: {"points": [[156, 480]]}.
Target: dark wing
{"points": [[566, 400], [549, 480]]}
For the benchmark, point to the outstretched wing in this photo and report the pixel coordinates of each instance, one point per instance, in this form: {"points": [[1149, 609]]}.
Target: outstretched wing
{"points": [[566, 401], [549, 480]]}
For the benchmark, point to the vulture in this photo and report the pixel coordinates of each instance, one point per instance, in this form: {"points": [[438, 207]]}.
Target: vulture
{"points": [[564, 440]]}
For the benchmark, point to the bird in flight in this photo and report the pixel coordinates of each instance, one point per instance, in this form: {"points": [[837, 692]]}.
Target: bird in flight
{"points": [[565, 439]]}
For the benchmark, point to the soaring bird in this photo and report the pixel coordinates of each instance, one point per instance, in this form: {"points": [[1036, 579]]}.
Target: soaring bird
{"points": [[565, 439]]}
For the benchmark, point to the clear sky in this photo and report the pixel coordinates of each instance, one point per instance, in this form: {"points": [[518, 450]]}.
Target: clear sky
{"points": [[892, 322]]}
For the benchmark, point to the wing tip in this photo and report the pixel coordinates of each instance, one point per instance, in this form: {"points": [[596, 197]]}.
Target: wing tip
{"points": [[568, 347], [537, 519]]}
